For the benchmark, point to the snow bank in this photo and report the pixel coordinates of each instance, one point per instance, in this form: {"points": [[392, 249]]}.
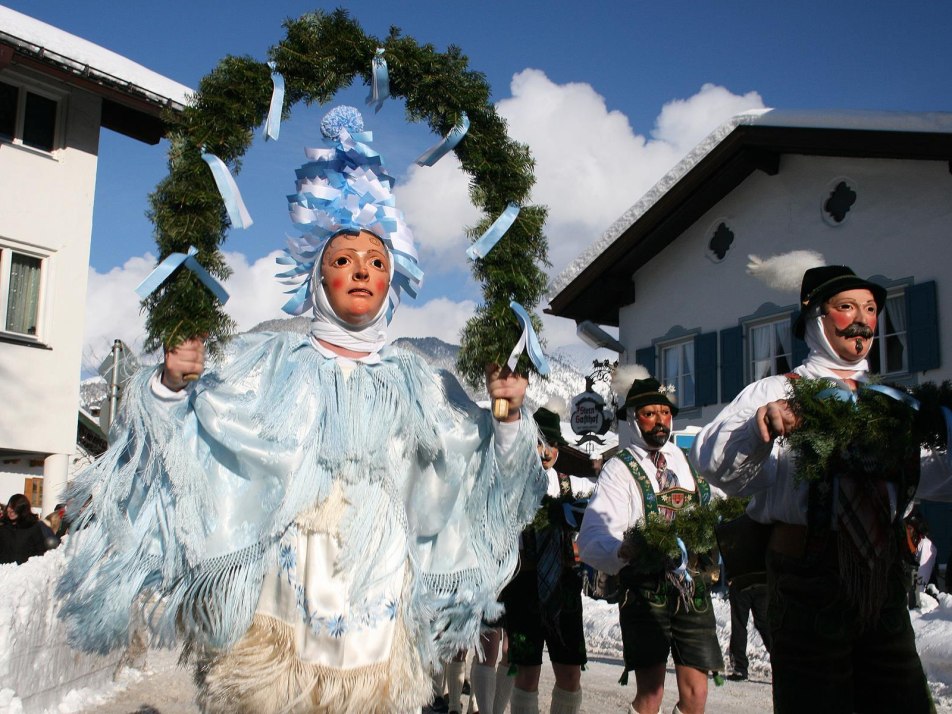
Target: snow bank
{"points": [[38, 670], [932, 623]]}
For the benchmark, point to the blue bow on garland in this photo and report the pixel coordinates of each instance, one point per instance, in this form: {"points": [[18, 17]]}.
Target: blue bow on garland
{"points": [[163, 271], [529, 341]]}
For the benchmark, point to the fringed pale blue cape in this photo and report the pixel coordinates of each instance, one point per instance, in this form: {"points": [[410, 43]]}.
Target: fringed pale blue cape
{"points": [[188, 505]]}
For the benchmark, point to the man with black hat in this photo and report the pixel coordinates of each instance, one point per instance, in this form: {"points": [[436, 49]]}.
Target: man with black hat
{"points": [[657, 614], [835, 647], [544, 601]]}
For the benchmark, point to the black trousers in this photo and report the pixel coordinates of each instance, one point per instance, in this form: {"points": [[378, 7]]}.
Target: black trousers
{"points": [[825, 659], [744, 601]]}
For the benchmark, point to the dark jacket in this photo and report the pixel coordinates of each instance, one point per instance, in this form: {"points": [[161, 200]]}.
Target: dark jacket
{"points": [[20, 543]]}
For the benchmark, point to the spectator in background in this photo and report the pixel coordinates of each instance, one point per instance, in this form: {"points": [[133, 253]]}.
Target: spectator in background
{"points": [[925, 552], [21, 536], [63, 527], [744, 601], [51, 525]]}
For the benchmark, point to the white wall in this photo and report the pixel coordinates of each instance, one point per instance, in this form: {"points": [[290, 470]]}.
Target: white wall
{"points": [[48, 203], [900, 226]]}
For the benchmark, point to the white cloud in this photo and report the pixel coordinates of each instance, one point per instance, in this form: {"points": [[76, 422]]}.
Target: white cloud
{"points": [[435, 200], [440, 317], [591, 166], [684, 122], [256, 295], [112, 307]]}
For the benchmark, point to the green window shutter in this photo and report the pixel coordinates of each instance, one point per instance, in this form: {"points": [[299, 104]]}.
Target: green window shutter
{"points": [[732, 362], [646, 358], [705, 369], [798, 349], [922, 331]]}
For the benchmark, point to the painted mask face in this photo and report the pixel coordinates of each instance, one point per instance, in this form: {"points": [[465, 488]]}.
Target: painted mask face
{"points": [[355, 272], [849, 323], [654, 420]]}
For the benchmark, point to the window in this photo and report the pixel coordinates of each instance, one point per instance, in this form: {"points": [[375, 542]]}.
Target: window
{"points": [[889, 354], [769, 348], [27, 118], [20, 290], [677, 368]]}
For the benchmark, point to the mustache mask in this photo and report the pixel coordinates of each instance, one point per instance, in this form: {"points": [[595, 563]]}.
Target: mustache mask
{"points": [[856, 330]]}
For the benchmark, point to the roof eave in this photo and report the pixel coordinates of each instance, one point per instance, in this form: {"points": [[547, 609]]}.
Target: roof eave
{"points": [[127, 108]]}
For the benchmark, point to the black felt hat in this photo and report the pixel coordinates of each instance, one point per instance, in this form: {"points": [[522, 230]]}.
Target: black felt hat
{"points": [[551, 426], [822, 283], [644, 392]]}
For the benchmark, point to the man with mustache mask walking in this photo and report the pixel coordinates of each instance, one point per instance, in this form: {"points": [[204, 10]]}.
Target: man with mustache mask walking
{"points": [[836, 646], [652, 475]]}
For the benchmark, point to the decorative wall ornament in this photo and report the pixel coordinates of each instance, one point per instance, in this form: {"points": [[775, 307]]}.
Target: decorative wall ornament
{"points": [[840, 198], [720, 241]]}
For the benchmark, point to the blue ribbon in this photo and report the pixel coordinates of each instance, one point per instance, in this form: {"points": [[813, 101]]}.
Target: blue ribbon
{"points": [[380, 86], [272, 125], [845, 395], [438, 150], [172, 262], [682, 570], [234, 205], [896, 394], [487, 241], [838, 393], [528, 341], [570, 510]]}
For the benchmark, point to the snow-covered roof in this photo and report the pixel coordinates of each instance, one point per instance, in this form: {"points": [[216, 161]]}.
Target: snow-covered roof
{"points": [[88, 60], [833, 126]]}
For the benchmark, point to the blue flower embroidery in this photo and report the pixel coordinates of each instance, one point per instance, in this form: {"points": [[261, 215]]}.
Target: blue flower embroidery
{"points": [[391, 609], [287, 557], [337, 626]]}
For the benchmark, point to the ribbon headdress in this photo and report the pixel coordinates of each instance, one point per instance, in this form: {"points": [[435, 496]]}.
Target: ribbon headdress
{"points": [[345, 188]]}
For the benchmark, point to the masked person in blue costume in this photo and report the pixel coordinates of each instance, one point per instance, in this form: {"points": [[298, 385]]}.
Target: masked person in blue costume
{"points": [[319, 518]]}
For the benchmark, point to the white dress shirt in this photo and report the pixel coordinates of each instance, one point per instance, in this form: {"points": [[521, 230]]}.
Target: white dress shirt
{"points": [[730, 454]]}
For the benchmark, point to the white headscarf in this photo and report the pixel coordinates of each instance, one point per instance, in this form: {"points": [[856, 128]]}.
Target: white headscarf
{"points": [[327, 326], [822, 353]]}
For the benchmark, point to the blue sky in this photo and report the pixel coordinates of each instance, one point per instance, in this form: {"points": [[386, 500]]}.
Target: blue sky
{"points": [[620, 90]]}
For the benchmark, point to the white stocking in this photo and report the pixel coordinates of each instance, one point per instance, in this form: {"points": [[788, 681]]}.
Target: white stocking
{"points": [[564, 702], [482, 679]]}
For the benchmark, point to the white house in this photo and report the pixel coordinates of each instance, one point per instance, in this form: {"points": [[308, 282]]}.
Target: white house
{"points": [[869, 190], [56, 93]]}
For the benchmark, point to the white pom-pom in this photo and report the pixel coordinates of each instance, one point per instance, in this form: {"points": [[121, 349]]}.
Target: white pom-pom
{"points": [[625, 375], [785, 271], [559, 406]]}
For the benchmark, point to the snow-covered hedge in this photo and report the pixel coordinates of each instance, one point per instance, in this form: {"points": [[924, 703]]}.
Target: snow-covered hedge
{"points": [[38, 670]]}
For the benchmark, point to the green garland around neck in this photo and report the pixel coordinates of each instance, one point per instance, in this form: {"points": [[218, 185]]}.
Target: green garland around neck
{"points": [[874, 435]]}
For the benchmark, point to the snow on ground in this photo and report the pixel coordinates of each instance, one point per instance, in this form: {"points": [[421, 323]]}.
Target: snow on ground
{"points": [[40, 674]]}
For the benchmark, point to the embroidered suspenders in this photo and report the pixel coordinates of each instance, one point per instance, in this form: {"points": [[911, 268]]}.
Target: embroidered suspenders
{"points": [[674, 499]]}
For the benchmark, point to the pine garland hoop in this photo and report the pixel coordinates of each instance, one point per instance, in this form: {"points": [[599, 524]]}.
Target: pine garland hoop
{"points": [[321, 54]]}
